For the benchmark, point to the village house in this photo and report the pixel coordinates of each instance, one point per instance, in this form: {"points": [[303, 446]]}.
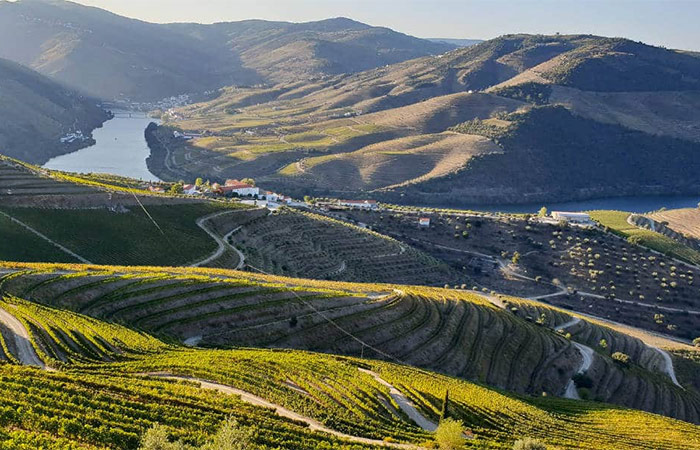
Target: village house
{"points": [[238, 187], [359, 204], [189, 189]]}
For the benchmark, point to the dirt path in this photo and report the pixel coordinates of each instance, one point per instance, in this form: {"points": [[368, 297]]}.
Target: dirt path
{"points": [[26, 354], [221, 243], [404, 403], [668, 365], [280, 410], [46, 238]]}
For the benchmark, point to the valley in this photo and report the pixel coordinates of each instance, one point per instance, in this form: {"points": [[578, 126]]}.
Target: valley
{"points": [[302, 231]]}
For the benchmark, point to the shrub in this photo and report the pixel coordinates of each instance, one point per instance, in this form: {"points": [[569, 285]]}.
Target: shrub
{"points": [[621, 358], [529, 444], [450, 434]]}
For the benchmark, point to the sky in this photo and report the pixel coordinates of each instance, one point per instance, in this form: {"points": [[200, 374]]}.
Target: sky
{"points": [[671, 23]]}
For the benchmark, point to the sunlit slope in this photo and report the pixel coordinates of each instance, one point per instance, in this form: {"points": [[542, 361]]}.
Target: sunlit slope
{"points": [[93, 403], [451, 331]]}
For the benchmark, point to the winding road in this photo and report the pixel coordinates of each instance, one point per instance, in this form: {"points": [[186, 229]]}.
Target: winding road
{"points": [[23, 342], [222, 243]]}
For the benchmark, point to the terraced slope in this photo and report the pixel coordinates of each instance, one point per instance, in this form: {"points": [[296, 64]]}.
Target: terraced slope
{"points": [[684, 221], [586, 270], [455, 332], [293, 243], [348, 402]]}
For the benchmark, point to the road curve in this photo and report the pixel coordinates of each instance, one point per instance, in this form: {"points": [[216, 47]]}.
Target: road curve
{"points": [[280, 410], [220, 242], [26, 353]]}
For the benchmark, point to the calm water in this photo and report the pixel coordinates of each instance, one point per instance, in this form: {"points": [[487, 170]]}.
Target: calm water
{"points": [[121, 149], [632, 204]]}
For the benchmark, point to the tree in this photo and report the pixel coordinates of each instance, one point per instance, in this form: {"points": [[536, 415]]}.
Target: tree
{"points": [[249, 181], [696, 342], [529, 444], [231, 436], [445, 404], [198, 182], [543, 212], [176, 189], [516, 258], [603, 343], [156, 438], [450, 434], [621, 359]]}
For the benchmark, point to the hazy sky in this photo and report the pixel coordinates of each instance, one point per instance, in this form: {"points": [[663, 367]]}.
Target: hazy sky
{"points": [[672, 23]]}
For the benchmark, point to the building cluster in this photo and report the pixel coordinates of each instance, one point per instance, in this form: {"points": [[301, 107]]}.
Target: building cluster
{"points": [[76, 136]]}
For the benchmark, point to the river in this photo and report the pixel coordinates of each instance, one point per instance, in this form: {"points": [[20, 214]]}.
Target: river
{"points": [[637, 204], [120, 149]]}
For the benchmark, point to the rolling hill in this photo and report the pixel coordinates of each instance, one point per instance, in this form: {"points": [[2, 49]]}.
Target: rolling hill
{"points": [[37, 112], [454, 332], [638, 102], [111, 384], [117, 58]]}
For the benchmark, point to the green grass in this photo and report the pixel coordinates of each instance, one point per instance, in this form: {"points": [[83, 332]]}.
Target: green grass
{"points": [[105, 237], [616, 221]]}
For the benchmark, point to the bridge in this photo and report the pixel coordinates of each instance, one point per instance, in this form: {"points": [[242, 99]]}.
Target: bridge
{"points": [[130, 114]]}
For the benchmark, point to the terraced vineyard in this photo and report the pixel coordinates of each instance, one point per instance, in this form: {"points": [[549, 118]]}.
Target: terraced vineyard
{"points": [[586, 270], [685, 221], [455, 332], [294, 243], [98, 404]]}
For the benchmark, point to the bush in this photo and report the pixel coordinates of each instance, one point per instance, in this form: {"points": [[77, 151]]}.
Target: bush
{"points": [[621, 358], [529, 444], [450, 434]]}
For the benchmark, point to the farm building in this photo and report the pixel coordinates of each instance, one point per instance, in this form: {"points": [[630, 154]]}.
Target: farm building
{"points": [[360, 204], [573, 217], [240, 188], [424, 222]]}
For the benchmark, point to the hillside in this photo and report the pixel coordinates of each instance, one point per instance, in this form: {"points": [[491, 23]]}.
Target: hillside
{"points": [[271, 399], [37, 112], [456, 332], [117, 58], [636, 281], [636, 100], [50, 216]]}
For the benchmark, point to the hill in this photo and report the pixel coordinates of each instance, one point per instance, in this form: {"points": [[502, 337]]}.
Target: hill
{"points": [[637, 281], [37, 112], [117, 58], [452, 331], [276, 399], [510, 90]]}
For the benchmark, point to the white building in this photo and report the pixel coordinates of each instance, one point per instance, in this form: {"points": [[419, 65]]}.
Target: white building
{"points": [[424, 222], [240, 188], [573, 217], [360, 204]]}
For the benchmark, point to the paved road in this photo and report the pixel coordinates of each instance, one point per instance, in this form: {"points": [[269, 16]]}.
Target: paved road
{"points": [[26, 353], [280, 410], [221, 243]]}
